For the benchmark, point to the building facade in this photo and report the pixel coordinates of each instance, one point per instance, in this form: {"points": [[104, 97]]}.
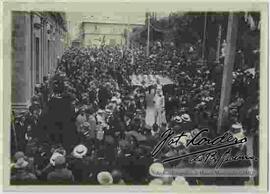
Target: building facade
{"points": [[76, 43], [105, 33], [38, 41]]}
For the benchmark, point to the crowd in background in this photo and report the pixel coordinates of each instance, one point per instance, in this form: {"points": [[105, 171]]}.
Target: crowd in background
{"points": [[86, 123]]}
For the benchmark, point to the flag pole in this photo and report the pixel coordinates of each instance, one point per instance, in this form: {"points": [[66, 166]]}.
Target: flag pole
{"points": [[218, 43], [148, 34], [204, 36]]}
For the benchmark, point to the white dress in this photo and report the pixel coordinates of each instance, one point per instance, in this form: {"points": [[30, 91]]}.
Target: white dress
{"points": [[150, 116], [160, 112]]}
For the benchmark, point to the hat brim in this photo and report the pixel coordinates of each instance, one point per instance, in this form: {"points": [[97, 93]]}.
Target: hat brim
{"points": [[23, 165], [178, 121], [186, 118], [102, 177]]}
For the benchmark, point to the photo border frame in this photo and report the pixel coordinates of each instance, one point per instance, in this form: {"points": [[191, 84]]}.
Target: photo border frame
{"points": [[131, 6]]}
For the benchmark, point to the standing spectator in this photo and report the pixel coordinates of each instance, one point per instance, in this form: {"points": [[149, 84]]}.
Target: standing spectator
{"points": [[79, 164], [60, 175], [22, 176]]}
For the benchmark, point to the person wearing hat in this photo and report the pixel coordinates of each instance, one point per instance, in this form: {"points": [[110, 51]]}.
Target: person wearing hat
{"points": [[135, 164], [47, 153], [105, 178], [180, 181], [81, 118], [45, 90], [18, 155], [185, 118], [187, 123], [156, 181], [84, 132], [156, 169], [117, 177], [60, 174], [177, 119], [237, 131], [80, 164], [22, 175], [38, 96], [20, 130]]}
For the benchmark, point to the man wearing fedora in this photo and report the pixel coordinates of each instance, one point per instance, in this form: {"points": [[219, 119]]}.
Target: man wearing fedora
{"points": [[80, 164], [60, 174], [22, 174]]}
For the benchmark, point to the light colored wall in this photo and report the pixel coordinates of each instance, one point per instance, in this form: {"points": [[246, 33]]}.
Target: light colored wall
{"points": [[96, 40], [74, 19], [21, 61], [112, 34]]}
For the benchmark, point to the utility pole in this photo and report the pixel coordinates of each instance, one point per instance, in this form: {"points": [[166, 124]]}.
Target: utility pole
{"points": [[227, 70], [128, 35], [204, 36], [218, 43], [148, 34]]}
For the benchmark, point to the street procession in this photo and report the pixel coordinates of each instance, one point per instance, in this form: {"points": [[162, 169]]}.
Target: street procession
{"points": [[122, 112]]}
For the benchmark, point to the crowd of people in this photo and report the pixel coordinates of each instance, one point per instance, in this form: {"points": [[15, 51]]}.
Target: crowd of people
{"points": [[87, 123]]}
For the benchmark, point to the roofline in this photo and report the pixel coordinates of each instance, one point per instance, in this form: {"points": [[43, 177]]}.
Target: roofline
{"points": [[109, 34], [113, 23]]}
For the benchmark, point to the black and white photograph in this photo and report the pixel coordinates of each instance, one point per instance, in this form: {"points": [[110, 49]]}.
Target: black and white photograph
{"points": [[135, 98]]}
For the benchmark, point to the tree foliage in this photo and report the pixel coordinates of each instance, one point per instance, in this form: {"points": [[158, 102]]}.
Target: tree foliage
{"points": [[188, 28]]}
